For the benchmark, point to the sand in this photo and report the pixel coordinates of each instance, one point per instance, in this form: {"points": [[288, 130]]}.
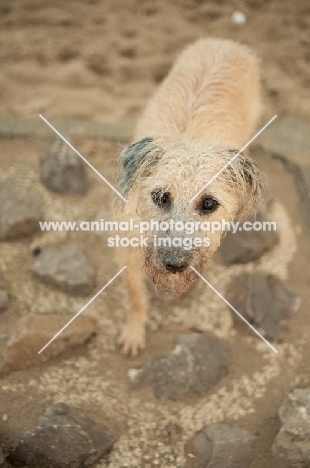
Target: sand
{"points": [[102, 60]]}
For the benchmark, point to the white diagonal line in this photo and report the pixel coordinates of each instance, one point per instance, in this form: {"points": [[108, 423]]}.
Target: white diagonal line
{"points": [[233, 158], [83, 308], [235, 310], [82, 157]]}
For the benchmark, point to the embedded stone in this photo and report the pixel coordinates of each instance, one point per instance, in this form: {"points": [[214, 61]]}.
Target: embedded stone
{"points": [[288, 138], [63, 170], [33, 332], [220, 446], [20, 211], [196, 364], [264, 300], [65, 437], [245, 246], [66, 267], [292, 443]]}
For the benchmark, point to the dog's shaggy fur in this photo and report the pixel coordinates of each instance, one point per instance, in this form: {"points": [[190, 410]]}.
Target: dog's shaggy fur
{"points": [[203, 112]]}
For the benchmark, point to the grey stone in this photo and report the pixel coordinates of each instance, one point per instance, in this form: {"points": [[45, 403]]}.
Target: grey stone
{"points": [[32, 332], [264, 300], [195, 365], [63, 170], [20, 211], [266, 203], [246, 246], [289, 136], [288, 139], [64, 438], [66, 267], [293, 440], [220, 446], [4, 299]]}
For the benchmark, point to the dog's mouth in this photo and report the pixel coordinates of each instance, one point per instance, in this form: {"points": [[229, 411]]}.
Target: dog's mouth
{"points": [[171, 284], [170, 270]]}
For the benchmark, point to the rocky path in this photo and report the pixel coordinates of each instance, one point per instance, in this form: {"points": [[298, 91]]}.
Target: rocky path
{"points": [[204, 378]]}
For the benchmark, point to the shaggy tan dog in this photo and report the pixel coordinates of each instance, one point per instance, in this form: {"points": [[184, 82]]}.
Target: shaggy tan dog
{"points": [[202, 113]]}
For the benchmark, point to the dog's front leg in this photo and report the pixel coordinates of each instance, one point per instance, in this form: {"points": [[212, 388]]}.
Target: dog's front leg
{"points": [[132, 338]]}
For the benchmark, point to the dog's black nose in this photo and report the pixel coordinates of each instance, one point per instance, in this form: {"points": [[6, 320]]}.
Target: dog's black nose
{"points": [[173, 264], [175, 268]]}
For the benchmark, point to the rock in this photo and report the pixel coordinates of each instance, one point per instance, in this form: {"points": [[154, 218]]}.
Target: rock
{"points": [[246, 246], [63, 170], [4, 299], [31, 333], [20, 211], [293, 440], [195, 365], [266, 203], [264, 300], [220, 446], [64, 438], [66, 267], [288, 138]]}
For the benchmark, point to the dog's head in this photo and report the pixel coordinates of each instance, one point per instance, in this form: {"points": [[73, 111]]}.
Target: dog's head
{"points": [[176, 182]]}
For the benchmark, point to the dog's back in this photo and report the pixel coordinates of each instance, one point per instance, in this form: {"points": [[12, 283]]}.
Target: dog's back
{"points": [[211, 92]]}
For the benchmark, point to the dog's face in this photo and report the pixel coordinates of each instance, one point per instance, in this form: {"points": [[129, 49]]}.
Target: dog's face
{"points": [[162, 177]]}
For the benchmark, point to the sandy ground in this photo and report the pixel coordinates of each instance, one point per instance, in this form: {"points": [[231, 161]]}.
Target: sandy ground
{"points": [[94, 376], [102, 60]]}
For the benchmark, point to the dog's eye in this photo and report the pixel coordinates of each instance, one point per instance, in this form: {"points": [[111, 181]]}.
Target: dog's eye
{"points": [[208, 205], [160, 198]]}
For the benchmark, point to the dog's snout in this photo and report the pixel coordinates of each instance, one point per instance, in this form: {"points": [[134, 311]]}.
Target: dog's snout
{"points": [[174, 264]]}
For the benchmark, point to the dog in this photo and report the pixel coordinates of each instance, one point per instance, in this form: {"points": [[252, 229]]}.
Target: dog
{"points": [[202, 113]]}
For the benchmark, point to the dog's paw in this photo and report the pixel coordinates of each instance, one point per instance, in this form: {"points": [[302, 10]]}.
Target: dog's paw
{"points": [[132, 339]]}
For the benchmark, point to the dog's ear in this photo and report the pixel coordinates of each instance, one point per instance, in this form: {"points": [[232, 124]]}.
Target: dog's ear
{"points": [[131, 159], [252, 182]]}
